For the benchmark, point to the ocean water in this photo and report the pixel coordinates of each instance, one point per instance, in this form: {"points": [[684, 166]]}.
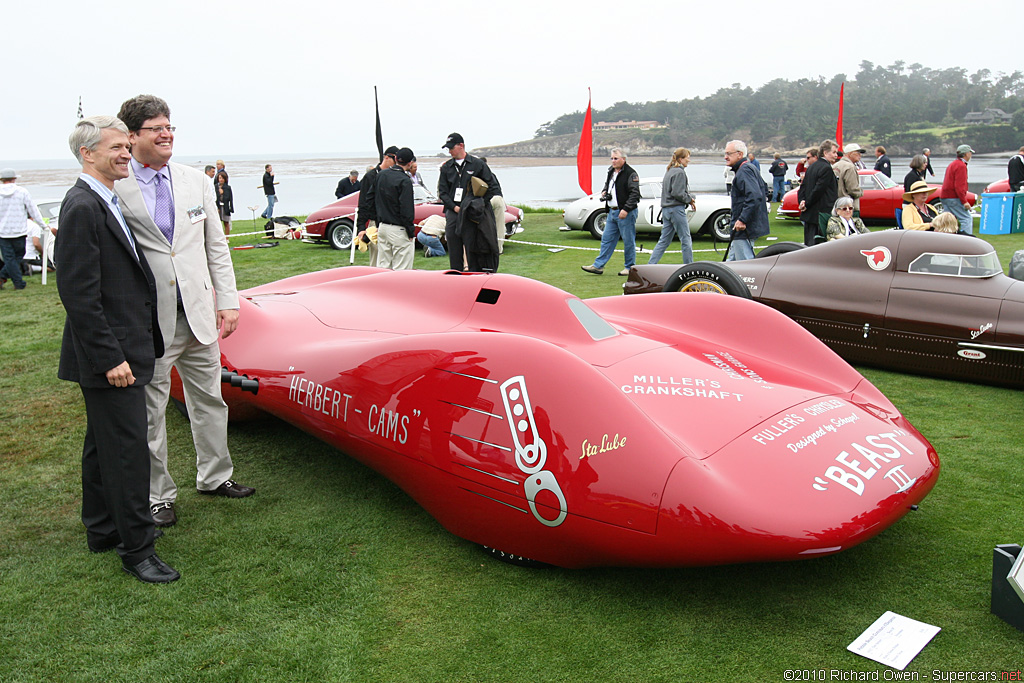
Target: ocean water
{"points": [[307, 182]]}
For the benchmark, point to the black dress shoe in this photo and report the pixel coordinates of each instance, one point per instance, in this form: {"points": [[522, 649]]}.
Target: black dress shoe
{"points": [[152, 570], [230, 489], [163, 514]]}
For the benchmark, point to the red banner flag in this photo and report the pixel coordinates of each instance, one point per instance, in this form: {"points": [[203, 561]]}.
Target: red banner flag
{"points": [[839, 120], [585, 153]]}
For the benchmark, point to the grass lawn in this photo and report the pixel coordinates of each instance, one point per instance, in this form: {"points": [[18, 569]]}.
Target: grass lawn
{"points": [[330, 573]]}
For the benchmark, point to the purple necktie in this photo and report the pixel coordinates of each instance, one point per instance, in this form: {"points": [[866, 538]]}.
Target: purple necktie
{"points": [[163, 213]]}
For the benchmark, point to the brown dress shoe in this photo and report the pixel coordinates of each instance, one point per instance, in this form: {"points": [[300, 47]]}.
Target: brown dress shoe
{"points": [[163, 514], [230, 489]]}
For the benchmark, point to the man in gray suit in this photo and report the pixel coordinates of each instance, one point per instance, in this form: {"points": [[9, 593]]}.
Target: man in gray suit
{"points": [[111, 340], [171, 210]]}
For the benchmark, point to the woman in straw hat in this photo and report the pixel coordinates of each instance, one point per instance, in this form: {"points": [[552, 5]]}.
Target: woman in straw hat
{"points": [[917, 212]]}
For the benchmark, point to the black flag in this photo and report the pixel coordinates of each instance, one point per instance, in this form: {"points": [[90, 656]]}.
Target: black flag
{"points": [[380, 138]]}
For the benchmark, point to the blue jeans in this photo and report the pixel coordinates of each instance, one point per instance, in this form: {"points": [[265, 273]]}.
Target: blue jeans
{"points": [[13, 250], [431, 243], [956, 207], [614, 229], [268, 213], [674, 222], [740, 249], [778, 187]]}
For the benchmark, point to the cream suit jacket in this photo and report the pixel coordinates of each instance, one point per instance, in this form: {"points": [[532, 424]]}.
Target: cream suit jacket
{"points": [[198, 260]]}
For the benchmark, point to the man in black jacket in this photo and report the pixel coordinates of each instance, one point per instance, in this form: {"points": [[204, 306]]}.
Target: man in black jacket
{"points": [[883, 164], [453, 190], [819, 191], [269, 191], [366, 213], [348, 185], [396, 214], [111, 341], [621, 195], [1015, 169]]}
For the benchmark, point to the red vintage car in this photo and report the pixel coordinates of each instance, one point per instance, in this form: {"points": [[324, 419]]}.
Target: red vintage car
{"points": [[621, 431], [882, 196], [911, 301], [998, 186], [334, 222]]}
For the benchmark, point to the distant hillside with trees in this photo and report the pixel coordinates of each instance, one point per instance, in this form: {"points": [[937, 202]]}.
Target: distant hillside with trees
{"points": [[902, 107]]}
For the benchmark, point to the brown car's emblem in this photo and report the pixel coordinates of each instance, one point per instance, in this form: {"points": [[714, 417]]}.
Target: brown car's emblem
{"points": [[878, 258]]}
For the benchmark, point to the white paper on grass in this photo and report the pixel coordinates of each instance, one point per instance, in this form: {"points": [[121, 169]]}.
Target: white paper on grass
{"points": [[893, 640]]}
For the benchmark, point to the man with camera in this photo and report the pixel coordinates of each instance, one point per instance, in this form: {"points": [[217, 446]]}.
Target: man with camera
{"points": [[621, 194]]}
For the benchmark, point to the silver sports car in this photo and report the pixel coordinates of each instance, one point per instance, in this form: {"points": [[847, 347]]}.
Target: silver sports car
{"points": [[712, 215]]}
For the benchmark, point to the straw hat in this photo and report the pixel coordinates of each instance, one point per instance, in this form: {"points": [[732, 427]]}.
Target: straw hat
{"points": [[917, 188]]}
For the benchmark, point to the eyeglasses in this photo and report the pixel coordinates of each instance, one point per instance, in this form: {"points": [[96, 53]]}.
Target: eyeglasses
{"points": [[729, 154], [160, 129], [845, 208]]}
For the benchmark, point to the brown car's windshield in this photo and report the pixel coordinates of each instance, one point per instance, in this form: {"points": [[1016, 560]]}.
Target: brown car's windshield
{"points": [[956, 265]]}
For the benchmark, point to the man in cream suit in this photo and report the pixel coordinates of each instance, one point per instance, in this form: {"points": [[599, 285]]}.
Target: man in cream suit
{"points": [[172, 212]]}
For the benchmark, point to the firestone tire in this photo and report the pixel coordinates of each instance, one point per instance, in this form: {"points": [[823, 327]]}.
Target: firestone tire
{"points": [[780, 248], [706, 276], [517, 560]]}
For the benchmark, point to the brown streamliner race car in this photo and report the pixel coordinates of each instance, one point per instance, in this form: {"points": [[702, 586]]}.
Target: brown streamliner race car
{"points": [[919, 302]]}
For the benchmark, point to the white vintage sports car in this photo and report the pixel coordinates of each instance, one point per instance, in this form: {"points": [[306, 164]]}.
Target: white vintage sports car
{"points": [[712, 215]]}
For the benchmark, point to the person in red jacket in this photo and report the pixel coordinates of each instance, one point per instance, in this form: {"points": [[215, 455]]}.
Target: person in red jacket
{"points": [[954, 189]]}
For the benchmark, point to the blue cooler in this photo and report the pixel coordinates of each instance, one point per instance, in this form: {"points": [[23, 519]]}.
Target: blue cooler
{"points": [[996, 212]]}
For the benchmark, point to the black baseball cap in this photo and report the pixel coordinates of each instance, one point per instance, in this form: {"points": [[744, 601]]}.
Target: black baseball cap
{"points": [[391, 151], [453, 139], [405, 156]]}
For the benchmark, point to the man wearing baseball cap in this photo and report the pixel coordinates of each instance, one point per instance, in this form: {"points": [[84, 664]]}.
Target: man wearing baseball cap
{"points": [[366, 214], [954, 189], [396, 214], [453, 189], [16, 207]]}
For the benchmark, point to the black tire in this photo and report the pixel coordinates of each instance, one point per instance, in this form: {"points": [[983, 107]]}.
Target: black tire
{"points": [[510, 230], [517, 560], [706, 276], [780, 248], [721, 225], [340, 234], [595, 224]]}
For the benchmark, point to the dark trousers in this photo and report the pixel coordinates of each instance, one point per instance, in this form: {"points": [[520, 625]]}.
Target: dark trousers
{"points": [[13, 251], [115, 471], [456, 260], [815, 226]]}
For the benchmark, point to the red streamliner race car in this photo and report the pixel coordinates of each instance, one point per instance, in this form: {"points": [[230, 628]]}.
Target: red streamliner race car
{"points": [[911, 301], [718, 431], [882, 196], [334, 222]]}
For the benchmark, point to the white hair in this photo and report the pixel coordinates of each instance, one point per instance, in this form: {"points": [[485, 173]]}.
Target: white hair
{"points": [[739, 146], [89, 131]]}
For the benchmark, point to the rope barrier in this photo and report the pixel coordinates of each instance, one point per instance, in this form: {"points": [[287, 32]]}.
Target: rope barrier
{"points": [[639, 249]]}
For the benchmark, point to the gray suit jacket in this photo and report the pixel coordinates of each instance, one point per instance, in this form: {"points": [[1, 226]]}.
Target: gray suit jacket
{"points": [[197, 262]]}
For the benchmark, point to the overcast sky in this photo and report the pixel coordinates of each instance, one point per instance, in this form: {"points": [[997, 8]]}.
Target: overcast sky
{"points": [[297, 76]]}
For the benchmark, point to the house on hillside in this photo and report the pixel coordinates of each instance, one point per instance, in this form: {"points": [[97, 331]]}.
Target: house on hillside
{"points": [[987, 117], [619, 125]]}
